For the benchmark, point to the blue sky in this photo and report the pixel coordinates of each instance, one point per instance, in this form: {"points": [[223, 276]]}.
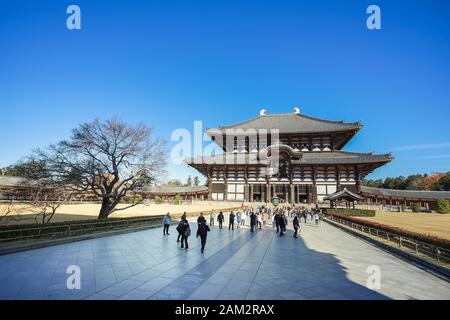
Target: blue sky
{"points": [[168, 63]]}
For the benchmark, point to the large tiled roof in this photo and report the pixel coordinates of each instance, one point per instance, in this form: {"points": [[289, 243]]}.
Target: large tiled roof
{"points": [[326, 157], [412, 194], [343, 157], [292, 123]]}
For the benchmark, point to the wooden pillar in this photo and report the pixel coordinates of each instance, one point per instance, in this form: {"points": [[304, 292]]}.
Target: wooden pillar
{"points": [[225, 185], [291, 184], [358, 179], [209, 190], [292, 189], [246, 186], [209, 182], [246, 192], [314, 187]]}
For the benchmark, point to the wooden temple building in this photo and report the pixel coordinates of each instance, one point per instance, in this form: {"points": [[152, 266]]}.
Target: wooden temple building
{"points": [[310, 163]]}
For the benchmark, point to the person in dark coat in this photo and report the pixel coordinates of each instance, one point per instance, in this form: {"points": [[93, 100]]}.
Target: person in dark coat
{"points": [[282, 224], [296, 224], [179, 229], [202, 232], [232, 216], [276, 219], [220, 218], [185, 233], [253, 220], [201, 219]]}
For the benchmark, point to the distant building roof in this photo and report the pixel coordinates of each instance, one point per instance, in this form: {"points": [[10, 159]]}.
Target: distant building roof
{"points": [[344, 194], [292, 123], [410, 194], [8, 181]]}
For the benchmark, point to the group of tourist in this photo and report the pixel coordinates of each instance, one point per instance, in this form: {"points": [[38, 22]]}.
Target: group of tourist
{"points": [[184, 230], [258, 217]]}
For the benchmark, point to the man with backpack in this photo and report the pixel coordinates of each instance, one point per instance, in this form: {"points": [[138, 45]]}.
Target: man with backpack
{"points": [[202, 232], [220, 218], [232, 216], [179, 229], [185, 234]]}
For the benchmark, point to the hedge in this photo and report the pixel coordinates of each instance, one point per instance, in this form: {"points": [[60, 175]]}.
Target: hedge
{"points": [[443, 206], [352, 212], [427, 238]]}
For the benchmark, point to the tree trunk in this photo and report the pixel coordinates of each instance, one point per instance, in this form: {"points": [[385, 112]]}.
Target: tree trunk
{"points": [[105, 209]]}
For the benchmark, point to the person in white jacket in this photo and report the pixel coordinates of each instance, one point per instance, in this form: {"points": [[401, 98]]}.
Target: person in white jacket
{"points": [[243, 218]]}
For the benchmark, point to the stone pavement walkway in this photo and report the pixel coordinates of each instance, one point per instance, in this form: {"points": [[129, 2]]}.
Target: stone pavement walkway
{"points": [[325, 263]]}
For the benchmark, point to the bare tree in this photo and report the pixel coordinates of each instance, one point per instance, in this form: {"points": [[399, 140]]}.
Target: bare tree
{"points": [[108, 159], [47, 199], [7, 208]]}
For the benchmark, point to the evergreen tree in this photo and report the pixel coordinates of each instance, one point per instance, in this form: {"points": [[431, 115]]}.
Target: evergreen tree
{"points": [[196, 181]]}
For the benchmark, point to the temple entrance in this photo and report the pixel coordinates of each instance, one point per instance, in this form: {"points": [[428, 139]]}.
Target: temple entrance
{"points": [[257, 192], [282, 191], [303, 193]]}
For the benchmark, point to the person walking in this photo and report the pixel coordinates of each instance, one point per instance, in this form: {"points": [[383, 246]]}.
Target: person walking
{"points": [[202, 232], [238, 220], [212, 218], [252, 222], [316, 218], [185, 234], [281, 224], [265, 217], [166, 222], [243, 218], [296, 224], [220, 218], [285, 220], [232, 216], [201, 219], [260, 220], [276, 219], [179, 229]]}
